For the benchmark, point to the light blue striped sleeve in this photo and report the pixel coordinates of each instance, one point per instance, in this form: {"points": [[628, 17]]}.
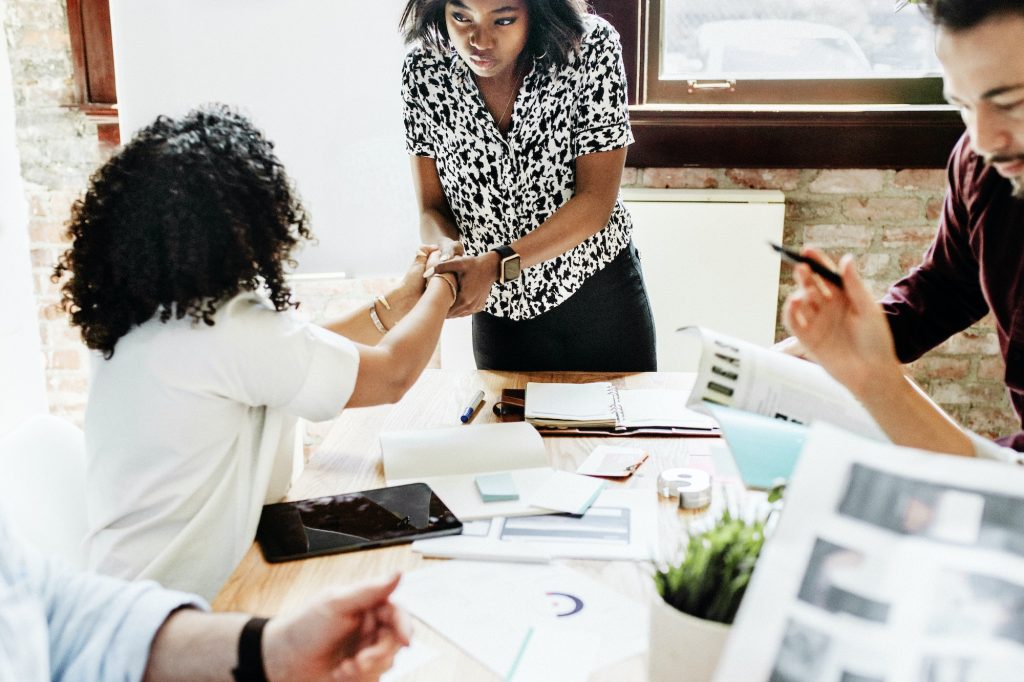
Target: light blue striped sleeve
{"points": [[99, 628]]}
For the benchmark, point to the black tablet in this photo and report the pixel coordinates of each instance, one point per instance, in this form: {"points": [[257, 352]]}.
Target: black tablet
{"points": [[345, 523]]}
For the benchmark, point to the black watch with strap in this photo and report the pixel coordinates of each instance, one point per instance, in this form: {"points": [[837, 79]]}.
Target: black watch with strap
{"points": [[509, 266]]}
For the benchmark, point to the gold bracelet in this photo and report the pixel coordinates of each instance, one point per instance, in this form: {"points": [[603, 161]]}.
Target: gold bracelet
{"points": [[451, 285], [376, 319], [384, 302]]}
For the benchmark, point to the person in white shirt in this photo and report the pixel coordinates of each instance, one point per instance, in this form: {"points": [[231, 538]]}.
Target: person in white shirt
{"points": [[203, 369], [60, 624]]}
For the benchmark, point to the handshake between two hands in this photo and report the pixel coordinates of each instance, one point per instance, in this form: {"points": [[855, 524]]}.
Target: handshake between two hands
{"points": [[470, 277]]}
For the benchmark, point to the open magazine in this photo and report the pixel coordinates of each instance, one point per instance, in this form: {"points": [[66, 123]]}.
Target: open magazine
{"points": [[887, 564], [740, 375]]}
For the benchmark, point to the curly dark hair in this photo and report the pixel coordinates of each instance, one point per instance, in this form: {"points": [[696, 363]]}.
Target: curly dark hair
{"points": [[190, 212], [960, 15], [556, 27]]}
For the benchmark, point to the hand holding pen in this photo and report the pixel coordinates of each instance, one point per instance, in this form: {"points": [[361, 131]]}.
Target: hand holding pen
{"points": [[844, 330], [818, 268]]}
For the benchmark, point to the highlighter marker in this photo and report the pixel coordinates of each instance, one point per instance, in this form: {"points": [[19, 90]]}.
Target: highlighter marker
{"points": [[472, 407]]}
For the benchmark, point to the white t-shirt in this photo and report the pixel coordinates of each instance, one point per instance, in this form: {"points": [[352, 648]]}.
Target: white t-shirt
{"points": [[191, 428]]}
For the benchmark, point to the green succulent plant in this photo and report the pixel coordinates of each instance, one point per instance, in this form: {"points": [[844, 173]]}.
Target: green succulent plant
{"points": [[711, 579], [713, 575]]}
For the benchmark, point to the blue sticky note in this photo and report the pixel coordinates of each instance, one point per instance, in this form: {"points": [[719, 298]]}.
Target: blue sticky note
{"points": [[764, 449], [497, 487]]}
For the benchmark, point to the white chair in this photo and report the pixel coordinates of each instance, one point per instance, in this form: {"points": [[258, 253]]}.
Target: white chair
{"points": [[42, 486]]}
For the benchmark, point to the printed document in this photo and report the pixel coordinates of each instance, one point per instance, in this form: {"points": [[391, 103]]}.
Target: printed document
{"points": [[741, 375], [888, 564], [621, 524]]}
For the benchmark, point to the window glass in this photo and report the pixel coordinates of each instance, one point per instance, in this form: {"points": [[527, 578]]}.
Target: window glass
{"points": [[787, 39]]}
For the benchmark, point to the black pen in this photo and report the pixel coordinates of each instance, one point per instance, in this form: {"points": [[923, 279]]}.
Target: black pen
{"points": [[817, 268]]}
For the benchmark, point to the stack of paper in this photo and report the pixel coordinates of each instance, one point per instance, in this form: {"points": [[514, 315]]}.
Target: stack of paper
{"points": [[452, 460]]}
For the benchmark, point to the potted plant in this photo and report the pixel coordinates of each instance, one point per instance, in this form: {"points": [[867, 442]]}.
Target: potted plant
{"points": [[700, 596]]}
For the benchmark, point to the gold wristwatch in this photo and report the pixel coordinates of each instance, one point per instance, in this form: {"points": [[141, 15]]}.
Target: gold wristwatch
{"points": [[509, 267]]}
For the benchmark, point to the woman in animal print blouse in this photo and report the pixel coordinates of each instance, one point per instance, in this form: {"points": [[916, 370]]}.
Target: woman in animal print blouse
{"points": [[516, 120]]}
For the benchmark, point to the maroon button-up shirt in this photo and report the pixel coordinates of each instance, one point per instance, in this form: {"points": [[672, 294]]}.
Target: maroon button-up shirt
{"points": [[975, 264]]}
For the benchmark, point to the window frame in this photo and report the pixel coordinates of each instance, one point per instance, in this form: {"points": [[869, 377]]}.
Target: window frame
{"points": [[769, 136], [92, 56]]}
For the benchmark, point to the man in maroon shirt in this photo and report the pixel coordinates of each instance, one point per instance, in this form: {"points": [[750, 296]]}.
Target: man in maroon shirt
{"points": [[973, 266]]}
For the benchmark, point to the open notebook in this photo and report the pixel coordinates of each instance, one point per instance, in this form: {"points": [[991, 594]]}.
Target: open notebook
{"points": [[602, 405]]}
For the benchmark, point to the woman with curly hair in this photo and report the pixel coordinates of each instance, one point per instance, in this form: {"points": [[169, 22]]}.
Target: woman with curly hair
{"points": [[177, 279], [516, 121]]}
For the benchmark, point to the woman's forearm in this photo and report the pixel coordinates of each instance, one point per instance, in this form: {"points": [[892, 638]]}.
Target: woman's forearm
{"points": [[577, 220], [435, 227], [358, 325], [389, 369], [437, 223], [598, 177]]}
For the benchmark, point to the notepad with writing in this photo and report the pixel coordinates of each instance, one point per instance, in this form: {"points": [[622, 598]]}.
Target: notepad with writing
{"points": [[601, 405]]}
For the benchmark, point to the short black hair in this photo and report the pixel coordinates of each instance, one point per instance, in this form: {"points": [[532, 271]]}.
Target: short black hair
{"points": [[959, 15], [190, 212], [556, 27]]}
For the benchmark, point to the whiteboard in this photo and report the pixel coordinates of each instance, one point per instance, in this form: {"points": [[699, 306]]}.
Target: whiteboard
{"points": [[706, 262]]}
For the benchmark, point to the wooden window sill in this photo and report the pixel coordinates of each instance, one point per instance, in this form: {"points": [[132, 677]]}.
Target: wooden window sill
{"points": [[781, 136]]}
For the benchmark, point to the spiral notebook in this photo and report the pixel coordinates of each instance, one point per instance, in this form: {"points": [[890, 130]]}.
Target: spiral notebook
{"points": [[602, 405]]}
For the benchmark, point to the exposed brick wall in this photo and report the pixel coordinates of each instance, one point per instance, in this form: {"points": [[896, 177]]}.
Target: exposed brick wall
{"points": [[58, 149], [886, 219]]}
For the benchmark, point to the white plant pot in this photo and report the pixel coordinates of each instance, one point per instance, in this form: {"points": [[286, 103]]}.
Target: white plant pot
{"points": [[683, 648]]}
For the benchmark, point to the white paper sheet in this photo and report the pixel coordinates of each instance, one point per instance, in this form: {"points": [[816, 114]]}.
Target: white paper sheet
{"points": [[566, 492], [449, 459], [614, 461], [660, 407], [572, 402], [472, 449], [488, 609], [408, 660]]}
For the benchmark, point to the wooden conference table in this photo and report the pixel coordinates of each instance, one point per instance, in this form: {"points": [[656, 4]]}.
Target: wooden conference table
{"points": [[349, 460]]}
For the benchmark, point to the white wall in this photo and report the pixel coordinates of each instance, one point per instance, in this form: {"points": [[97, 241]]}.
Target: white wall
{"points": [[321, 77], [22, 379]]}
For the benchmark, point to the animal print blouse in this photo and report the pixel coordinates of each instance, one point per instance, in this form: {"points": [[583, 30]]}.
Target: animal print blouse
{"points": [[500, 189]]}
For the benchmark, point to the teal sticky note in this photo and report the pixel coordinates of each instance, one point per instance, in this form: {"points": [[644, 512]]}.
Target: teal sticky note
{"points": [[764, 449], [497, 487]]}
